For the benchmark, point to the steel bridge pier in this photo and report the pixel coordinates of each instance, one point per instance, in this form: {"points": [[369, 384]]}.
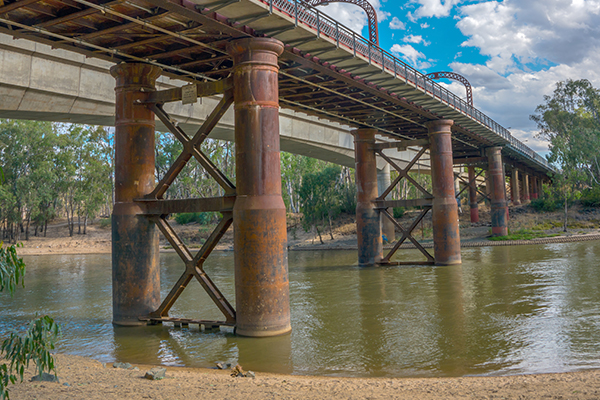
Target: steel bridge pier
{"points": [[135, 267]]}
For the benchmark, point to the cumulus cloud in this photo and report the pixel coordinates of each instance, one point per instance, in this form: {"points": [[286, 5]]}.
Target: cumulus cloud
{"points": [[395, 23], [415, 39], [434, 8], [410, 55]]}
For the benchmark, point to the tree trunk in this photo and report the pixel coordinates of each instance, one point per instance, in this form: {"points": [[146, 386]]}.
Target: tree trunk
{"points": [[319, 233], [330, 227], [85, 225], [78, 221], [45, 227], [27, 226], [566, 212]]}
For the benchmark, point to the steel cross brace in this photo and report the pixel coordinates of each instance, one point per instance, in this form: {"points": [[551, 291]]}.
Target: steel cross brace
{"points": [[381, 205], [153, 203], [474, 181]]}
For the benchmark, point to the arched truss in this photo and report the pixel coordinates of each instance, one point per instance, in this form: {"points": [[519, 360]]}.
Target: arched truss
{"points": [[456, 77], [365, 5]]}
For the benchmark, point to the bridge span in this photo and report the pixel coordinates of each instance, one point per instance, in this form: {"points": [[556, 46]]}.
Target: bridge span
{"points": [[257, 55]]}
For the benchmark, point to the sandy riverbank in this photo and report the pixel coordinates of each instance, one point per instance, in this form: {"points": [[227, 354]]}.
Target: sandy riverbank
{"points": [[82, 378]]}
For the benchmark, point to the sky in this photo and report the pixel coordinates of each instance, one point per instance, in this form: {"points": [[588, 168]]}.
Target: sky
{"points": [[513, 52]]}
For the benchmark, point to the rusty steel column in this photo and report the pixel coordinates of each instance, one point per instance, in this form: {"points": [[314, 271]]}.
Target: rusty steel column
{"points": [[446, 237], [368, 220], [498, 192], [526, 198], [540, 187], [135, 268], [534, 187], [514, 187], [383, 182], [473, 195], [259, 221]]}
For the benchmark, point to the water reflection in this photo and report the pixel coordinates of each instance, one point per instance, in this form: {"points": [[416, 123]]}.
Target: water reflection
{"points": [[523, 309]]}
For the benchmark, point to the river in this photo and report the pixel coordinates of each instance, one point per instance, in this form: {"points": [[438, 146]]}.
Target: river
{"points": [[505, 310]]}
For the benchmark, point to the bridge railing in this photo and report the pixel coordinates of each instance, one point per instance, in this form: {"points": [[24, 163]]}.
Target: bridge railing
{"points": [[324, 25]]}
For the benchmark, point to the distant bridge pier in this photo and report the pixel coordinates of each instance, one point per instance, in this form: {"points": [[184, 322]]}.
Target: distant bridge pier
{"points": [[135, 267], [259, 216], [499, 211], [514, 187], [540, 187], [383, 182], [526, 198], [446, 236], [534, 187], [473, 206], [368, 219]]}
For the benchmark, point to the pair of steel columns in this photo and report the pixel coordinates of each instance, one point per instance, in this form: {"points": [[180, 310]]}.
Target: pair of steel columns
{"points": [[260, 235], [446, 237]]}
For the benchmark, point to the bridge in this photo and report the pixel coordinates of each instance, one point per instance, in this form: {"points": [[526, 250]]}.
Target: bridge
{"points": [[258, 55]]}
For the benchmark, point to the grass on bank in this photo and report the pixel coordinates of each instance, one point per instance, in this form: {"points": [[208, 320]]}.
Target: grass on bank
{"points": [[523, 234]]}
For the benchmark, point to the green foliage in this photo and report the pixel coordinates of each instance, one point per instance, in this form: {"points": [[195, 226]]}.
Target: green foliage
{"points": [[39, 338], [12, 269], [34, 346], [105, 222], [202, 218], [320, 197], [590, 197], [399, 212], [522, 234], [547, 204]]}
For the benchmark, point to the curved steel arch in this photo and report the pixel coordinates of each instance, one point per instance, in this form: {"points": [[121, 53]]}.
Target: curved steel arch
{"points": [[365, 5], [456, 77]]}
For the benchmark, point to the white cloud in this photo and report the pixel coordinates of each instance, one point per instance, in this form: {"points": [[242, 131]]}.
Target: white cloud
{"points": [[434, 8], [395, 23], [424, 25], [410, 55], [415, 39]]}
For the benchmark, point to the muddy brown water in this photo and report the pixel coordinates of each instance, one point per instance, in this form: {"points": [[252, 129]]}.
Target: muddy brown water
{"points": [[505, 310]]}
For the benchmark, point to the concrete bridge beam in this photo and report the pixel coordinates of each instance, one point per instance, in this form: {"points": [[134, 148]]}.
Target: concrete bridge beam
{"points": [[259, 217], [446, 236], [368, 220], [135, 267], [498, 192]]}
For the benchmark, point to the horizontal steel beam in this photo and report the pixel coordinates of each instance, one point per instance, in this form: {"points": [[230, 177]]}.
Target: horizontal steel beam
{"points": [[401, 145], [203, 89], [163, 207], [404, 203]]}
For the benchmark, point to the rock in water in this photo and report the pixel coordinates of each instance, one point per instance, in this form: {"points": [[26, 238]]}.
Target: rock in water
{"points": [[122, 365], [156, 373], [45, 377], [250, 374]]}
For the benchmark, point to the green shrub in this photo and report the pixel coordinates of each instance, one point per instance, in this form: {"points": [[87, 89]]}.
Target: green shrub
{"points": [[105, 222], [399, 212], [203, 218], [548, 204], [590, 197]]}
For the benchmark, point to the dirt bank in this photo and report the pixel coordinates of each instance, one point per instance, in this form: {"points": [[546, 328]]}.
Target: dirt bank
{"points": [[584, 224], [81, 378]]}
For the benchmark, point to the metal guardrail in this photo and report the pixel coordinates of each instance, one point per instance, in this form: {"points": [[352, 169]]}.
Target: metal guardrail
{"points": [[324, 25]]}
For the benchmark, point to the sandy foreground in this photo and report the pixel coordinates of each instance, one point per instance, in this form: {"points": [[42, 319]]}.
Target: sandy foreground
{"points": [[82, 378]]}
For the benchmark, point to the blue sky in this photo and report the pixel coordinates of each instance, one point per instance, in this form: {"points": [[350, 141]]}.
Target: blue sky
{"points": [[513, 51]]}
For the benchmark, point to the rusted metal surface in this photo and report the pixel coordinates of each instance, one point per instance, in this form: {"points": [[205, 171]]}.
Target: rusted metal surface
{"points": [[473, 206], [156, 209], [194, 269], [514, 187], [446, 237], [456, 77], [368, 220], [260, 233], [365, 5], [383, 182], [526, 198], [534, 187], [135, 268], [498, 192], [382, 205]]}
